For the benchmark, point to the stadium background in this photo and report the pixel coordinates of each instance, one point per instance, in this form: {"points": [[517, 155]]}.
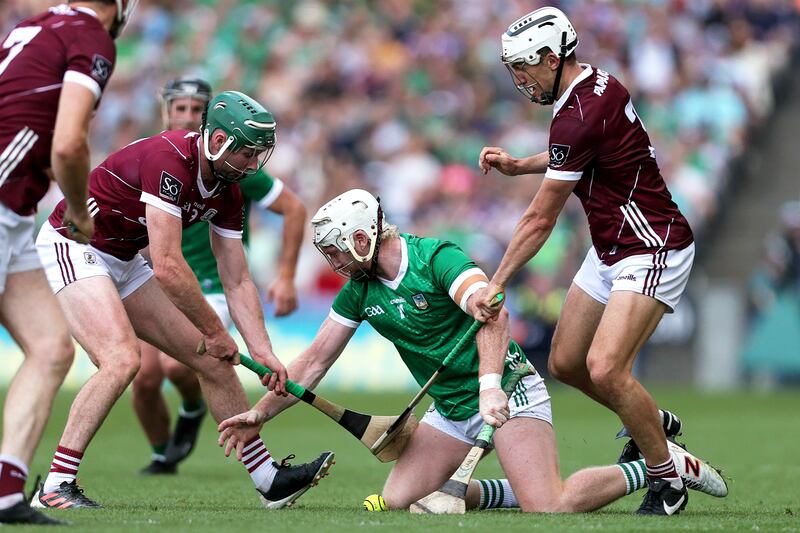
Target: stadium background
{"points": [[399, 96]]}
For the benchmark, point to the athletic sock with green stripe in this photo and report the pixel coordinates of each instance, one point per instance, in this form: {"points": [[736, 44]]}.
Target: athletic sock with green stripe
{"points": [[496, 494], [635, 474]]}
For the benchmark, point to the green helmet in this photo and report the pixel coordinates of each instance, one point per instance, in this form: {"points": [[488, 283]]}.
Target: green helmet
{"points": [[247, 124]]}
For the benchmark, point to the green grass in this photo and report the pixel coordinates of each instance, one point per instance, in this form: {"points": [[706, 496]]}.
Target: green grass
{"points": [[752, 436]]}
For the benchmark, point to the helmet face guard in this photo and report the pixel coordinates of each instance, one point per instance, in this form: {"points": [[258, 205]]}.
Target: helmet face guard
{"points": [[184, 88], [547, 97], [522, 42], [336, 239], [234, 172], [335, 225], [124, 12], [248, 127]]}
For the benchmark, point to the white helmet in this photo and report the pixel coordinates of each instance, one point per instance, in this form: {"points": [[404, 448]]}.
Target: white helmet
{"points": [[546, 27], [335, 222], [536, 30], [124, 11]]}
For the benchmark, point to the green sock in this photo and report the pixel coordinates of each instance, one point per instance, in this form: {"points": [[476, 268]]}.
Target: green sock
{"points": [[496, 494], [635, 475], [192, 406], [158, 451]]}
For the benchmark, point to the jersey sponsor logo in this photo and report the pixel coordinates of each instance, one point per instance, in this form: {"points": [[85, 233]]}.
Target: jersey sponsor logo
{"points": [[90, 258], [208, 215], [629, 277], [420, 301], [601, 83], [170, 187], [101, 67], [558, 154], [374, 310]]}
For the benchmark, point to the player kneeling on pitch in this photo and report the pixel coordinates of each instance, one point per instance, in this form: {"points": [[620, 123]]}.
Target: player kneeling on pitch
{"points": [[420, 294]]}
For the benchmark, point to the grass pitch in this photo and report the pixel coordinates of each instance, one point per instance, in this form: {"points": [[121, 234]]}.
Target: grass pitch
{"points": [[752, 436]]}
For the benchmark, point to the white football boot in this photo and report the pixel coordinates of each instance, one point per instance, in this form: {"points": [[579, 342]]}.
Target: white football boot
{"points": [[696, 473]]}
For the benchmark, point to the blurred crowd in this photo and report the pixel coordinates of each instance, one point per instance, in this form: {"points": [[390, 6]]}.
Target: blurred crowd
{"points": [[771, 350], [399, 96]]}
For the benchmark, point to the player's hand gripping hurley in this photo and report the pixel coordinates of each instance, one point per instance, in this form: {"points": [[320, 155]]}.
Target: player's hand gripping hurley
{"points": [[397, 426], [449, 499], [366, 428]]}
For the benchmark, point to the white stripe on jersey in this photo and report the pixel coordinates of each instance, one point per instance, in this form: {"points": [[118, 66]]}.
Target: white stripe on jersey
{"points": [[336, 317], [73, 76], [646, 225], [272, 195], [635, 223], [16, 152], [224, 232]]}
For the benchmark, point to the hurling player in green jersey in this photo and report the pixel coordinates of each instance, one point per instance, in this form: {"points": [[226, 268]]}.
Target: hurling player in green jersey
{"points": [[420, 293], [184, 100]]}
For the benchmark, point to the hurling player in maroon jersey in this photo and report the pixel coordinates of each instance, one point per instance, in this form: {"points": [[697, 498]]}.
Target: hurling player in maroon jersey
{"points": [[642, 249], [146, 194], [53, 69]]}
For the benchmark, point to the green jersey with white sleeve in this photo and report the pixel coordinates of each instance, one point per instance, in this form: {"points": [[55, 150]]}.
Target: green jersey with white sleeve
{"points": [[423, 313], [261, 189]]}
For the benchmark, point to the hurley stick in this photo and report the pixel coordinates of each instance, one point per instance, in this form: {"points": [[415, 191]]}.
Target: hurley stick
{"points": [[449, 499], [395, 428]]}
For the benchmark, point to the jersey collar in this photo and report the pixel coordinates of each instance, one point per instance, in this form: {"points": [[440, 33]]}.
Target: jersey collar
{"points": [[395, 283], [587, 71], [86, 10]]}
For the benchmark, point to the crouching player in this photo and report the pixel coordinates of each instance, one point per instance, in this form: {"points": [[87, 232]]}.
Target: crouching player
{"points": [[184, 101], [420, 294], [146, 194]]}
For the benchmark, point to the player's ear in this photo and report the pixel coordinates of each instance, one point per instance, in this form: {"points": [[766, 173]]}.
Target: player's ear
{"points": [[552, 60], [217, 140], [362, 242]]}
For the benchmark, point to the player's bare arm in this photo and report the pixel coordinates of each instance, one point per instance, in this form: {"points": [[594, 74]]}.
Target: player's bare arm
{"points": [[492, 340], [70, 156], [245, 306], [282, 290], [531, 232], [176, 278], [307, 370], [495, 157]]}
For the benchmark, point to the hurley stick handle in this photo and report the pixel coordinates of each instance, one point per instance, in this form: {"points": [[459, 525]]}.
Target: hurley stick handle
{"points": [[291, 387]]}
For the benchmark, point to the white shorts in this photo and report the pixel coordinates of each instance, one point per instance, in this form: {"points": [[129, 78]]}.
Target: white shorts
{"points": [[219, 304], [17, 252], [662, 276], [529, 400], [66, 261]]}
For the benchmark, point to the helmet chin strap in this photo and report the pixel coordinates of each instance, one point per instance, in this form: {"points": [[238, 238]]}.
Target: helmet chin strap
{"points": [[214, 157], [550, 98], [375, 248]]}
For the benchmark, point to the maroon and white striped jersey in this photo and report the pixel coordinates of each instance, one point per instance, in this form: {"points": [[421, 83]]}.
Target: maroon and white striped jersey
{"points": [[597, 138], [36, 58], [162, 171]]}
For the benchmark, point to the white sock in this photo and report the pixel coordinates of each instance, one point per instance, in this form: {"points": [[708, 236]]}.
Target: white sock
{"points": [[258, 462], [635, 475], [496, 494], [63, 468]]}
